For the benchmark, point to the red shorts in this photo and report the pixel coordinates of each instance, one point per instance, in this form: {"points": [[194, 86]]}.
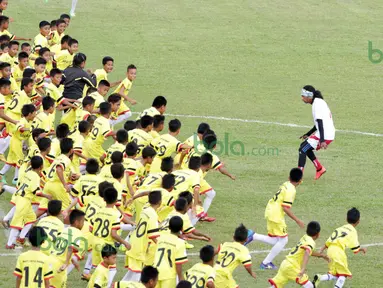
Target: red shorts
{"points": [[314, 142]]}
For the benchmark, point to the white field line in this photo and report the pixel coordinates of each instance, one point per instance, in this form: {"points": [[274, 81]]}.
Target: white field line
{"points": [[197, 254], [267, 123]]}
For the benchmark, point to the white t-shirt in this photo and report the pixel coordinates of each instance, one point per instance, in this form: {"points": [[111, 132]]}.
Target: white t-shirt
{"points": [[321, 111]]}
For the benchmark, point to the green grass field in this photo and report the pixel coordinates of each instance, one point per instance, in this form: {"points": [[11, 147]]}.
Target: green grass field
{"points": [[248, 60]]}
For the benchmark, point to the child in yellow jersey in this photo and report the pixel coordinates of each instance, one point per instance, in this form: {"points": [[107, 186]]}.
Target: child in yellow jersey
{"points": [[87, 184], [11, 56], [170, 255], [123, 90], [52, 225], [55, 40], [18, 70], [24, 216], [100, 132], [40, 64], [158, 108], [120, 145], [143, 164], [6, 73], [33, 267], [118, 172], [293, 268], [102, 74], [167, 145], [276, 209], [105, 225], [149, 279], [70, 243], [99, 94], [43, 119], [116, 158], [146, 230], [203, 274], [230, 256], [58, 176], [23, 132], [158, 126], [84, 128], [102, 275], [62, 131], [141, 135], [64, 58], [342, 238], [82, 113], [41, 39], [46, 54], [130, 166]]}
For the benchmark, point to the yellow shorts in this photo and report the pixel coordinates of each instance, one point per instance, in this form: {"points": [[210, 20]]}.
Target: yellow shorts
{"points": [[133, 264], [150, 253], [224, 281], [59, 278], [94, 152], [167, 283], [286, 273], [123, 108], [276, 229], [338, 265], [155, 167], [15, 155], [58, 192], [205, 187], [24, 213]]}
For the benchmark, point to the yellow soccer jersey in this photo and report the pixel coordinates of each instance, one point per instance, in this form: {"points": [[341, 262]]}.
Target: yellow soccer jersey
{"points": [[55, 147], [97, 98], [106, 174], [232, 254], [43, 121], [345, 237], [20, 133], [101, 130], [17, 74], [55, 38], [17, 103], [119, 187], [186, 180], [100, 277], [152, 111], [187, 226], [69, 237], [81, 115], [170, 252], [128, 284], [86, 185], [55, 92], [147, 228], [106, 220], [283, 198], [9, 59], [154, 134], [30, 186], [130, 166], [61, 161], [64, 59], [113, 148], [295, 257], [142, 139], [39, 80], [200, 275], [92, 205], [127, 84], [9, 34], [198, 152], [166, 145], [53, 226], [33, 267], [152, 181], [77, 147], [39, 42], [101, 74]]}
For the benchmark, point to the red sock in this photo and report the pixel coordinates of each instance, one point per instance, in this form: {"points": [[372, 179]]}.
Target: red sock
{"points": [[317, 164]]}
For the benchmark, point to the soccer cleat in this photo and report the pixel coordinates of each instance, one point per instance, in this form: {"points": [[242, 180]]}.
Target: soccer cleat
{"points": [[249, 239], [188, 245], [72, 14], [206, 218], [21, 242], [320, 173], [269, 266], [2, 158], [86, 277], [14, 181], [5, 224], [10, 247], [316, 280]]}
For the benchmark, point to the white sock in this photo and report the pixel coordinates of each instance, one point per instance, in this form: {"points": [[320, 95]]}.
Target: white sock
{"points": [[4, 144], [12, 236], [10, 214], [208, 200], [277, 248], [88, 264], [69, 268], [74, 3], [25, 230], [127, 227], [120, 118], [9, 189], [308, 285], [16, 173], [340, 282], [328, 277], [112, 273], [127, 238], [265, 239], [82, 169], [5, 169], [193, 219], [35, 207]]}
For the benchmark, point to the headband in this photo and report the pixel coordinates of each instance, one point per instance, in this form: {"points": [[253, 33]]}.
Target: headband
{"points": [[306, 93]]}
